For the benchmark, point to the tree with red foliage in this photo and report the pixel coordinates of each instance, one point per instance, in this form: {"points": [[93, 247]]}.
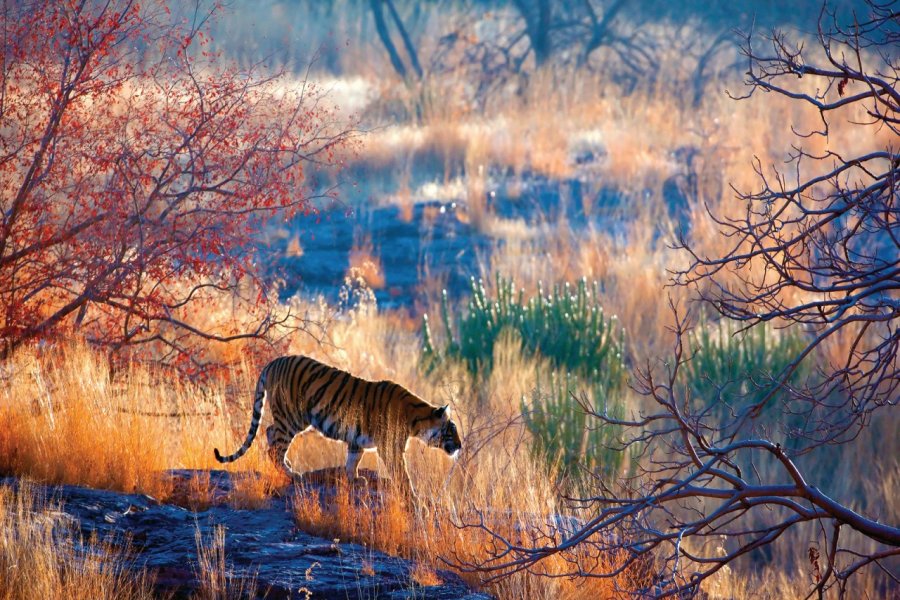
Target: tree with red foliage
{"points": [[135, 171]]}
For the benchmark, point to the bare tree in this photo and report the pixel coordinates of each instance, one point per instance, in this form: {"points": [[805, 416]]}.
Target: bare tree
{"points": [[825, 249], [699, 502], [381, 27], [533, 34], [537, 15], [821, 255], [580, 28]]}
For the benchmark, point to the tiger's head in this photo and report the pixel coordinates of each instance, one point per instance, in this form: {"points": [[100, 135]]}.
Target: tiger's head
{"points": [[442, 432]]}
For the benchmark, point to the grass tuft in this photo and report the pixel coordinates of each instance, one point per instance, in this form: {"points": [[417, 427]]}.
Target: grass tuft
{"points": [[730, 370]]}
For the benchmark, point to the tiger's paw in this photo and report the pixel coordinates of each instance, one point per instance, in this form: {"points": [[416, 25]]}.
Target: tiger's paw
{"points": [[359, 481]]}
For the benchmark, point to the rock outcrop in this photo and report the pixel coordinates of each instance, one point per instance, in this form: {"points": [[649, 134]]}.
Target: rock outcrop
{"points": [[264, 550]]}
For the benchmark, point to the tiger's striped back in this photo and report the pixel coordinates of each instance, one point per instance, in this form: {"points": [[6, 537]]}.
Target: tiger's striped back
{"points": [[302, 392]]}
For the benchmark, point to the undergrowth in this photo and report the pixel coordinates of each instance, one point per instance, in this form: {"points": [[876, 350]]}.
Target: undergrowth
{"points": [[566, 325], [44, 556], [566, 434], [730, 370], [444, 532]]}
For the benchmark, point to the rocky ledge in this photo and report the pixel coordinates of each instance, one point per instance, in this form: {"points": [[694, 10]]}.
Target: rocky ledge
{"points": [[264, 549]]}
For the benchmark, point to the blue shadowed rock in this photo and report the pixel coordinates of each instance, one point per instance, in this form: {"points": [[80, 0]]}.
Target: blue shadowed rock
{"points": [[261, 544]]}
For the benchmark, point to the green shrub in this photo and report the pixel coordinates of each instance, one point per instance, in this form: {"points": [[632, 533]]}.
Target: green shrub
{"points": [[729, 370], [565, 434], [566, 326]]}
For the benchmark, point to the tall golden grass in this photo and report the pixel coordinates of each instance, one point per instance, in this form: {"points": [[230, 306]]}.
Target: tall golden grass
{"points": [[212, 570], [67, 419], [44, 555], [84, 439], [435, 536]]}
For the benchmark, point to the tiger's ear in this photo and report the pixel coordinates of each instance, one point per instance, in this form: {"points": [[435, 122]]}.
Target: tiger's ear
{"points": [[440, 412]]}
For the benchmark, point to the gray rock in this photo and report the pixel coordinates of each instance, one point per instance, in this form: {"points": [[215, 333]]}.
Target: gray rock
{"points": [[264, 546]]}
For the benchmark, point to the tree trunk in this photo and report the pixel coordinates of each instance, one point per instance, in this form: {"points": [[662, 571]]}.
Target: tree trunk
{"points": [[385, 37]]}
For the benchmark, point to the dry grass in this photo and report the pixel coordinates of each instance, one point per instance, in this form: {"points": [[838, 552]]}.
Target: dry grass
{"points": [[433, 534], [497, 473], [635, 272], [212, 571], [76, 405], [43, 556], [780, 582], [638, 139], [365, 264], [66, 419], [71, 404]]}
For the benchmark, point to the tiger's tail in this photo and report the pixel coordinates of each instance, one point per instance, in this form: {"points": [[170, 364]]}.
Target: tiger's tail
{"points": [[259, 403]]}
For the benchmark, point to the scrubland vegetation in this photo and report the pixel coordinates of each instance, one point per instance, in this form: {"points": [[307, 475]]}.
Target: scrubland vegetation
{"points": [[555, 325], [43, 556]]}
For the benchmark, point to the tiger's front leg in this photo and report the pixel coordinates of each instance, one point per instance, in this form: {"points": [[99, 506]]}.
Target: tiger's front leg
{"points": [[354, 456], [404, 482], [395, 461]]}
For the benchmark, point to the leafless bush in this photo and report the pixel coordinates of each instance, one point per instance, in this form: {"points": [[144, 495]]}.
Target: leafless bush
{"points": [[817, 251]]}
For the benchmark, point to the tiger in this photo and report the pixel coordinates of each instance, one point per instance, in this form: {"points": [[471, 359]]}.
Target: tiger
{"points": [[303, 394]]}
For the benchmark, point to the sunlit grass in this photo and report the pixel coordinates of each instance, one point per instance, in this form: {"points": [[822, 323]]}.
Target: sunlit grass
{"points": [[215, 582], [66, 418], [43, 556], [129, 450]]}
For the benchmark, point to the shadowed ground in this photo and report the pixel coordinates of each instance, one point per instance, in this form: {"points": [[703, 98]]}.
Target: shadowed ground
{"points": [[264, 544]]}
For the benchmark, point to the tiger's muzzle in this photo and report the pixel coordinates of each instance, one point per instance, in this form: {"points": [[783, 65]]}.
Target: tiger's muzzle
{"points": [[451, 444]]}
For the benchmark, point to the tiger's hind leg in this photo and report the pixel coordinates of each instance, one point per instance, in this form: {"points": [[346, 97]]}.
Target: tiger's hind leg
{"points": [[279, 442]]}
